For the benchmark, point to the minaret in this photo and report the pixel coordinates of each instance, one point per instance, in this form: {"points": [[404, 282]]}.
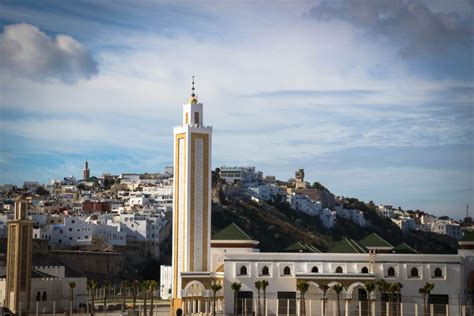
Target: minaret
{"points": [[19, 253], [192, 196], [86, 173]]}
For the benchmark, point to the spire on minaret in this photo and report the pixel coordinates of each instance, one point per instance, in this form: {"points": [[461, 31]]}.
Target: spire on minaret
{"points": [[193, 99]]}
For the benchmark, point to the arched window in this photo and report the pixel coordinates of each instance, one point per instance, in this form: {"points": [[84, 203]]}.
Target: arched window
{"points": [[438, 273], [414, 272], [315, 269], [364, 270], [286, 271], [243, 270], [391, 272], [38, 296], [45, 297], [265, 271], [338, 270]]}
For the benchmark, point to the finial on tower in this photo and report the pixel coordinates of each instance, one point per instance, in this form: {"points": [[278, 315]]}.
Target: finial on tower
{"points": [[193, 99]]}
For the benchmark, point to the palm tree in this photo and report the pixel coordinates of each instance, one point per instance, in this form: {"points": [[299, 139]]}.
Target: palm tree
{"points": [[382, 286], [324, 288], [106, 290], [215, 287], [236, 288], [338, 288], [135, 289], [396, 288], [152, 286], [303, 287], [124, 286], [258, 286], [264, 289], [72, 285], [426, 291], [144, 286], [91, 286], [369, 288]]}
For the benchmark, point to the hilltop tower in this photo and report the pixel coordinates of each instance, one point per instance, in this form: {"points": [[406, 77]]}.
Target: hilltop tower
{"points": [[86, 173], [192, 198], [19, 254]]}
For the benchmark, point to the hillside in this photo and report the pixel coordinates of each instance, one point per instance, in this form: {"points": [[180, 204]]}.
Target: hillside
{"points": [[277, 226]]}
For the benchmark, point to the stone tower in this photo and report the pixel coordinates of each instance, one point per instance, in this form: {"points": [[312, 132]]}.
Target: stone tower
{"points": [[192, 196], [86, 173], [19, 253]]}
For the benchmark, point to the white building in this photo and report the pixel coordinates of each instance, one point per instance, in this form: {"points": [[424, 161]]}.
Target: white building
{"points": [[355, 216], [446, 227], [267, 192], [244, 175], [405, 223], [385, 211], [166, 279]]}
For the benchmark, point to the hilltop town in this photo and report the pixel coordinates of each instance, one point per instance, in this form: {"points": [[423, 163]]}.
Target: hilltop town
{"points": [[127, 217]]}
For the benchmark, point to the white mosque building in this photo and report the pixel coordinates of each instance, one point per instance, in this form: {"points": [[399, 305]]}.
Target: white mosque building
{"points": [[232, 257]]}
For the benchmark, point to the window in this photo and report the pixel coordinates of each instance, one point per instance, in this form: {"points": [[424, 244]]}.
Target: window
{"points": [[243, 270], [38, 296], [45, 297], [287, 271], [364, 270], [414, 273], [265, 271], [338, 270], [391, 272], [70, 229], [315, 269], [438, 273]]}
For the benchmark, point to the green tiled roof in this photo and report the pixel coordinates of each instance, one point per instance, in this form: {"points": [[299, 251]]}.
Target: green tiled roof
{"points": [[346, 246], [39, 274], [404, 248], [231, 232], [301, 247], [374, 241], [468, 236]]}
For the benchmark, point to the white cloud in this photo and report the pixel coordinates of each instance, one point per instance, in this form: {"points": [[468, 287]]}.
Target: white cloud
{"points": [[28, 52]]}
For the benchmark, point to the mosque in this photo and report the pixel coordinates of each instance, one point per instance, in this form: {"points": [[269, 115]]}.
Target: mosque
{"points": [[232, 257]]}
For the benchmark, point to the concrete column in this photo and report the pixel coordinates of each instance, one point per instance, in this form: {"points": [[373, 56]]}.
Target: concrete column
{"points": [[298, 306], [346, 308], [387, 308], [37, 306], [447, 310], [360, 308], [309, 306], [288, 307], [277, 304], [322, 306], [372, 307], [431, 310], [334, 308], [401, 309], [416, 309], [199, 306], [54, 308]]}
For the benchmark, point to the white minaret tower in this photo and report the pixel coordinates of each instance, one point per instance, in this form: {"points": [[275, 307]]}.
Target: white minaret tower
{"points": [[191, 195]]}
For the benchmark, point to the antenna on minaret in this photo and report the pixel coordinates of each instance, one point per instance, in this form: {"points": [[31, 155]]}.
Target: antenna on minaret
{"points": [[467, 211], [193, 89]]}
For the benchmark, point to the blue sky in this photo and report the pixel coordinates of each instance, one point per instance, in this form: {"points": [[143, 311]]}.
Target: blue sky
{"points": [[374, 99]]}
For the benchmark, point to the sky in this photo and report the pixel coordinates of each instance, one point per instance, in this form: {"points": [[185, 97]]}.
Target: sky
{"points": [[374, 99]]}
